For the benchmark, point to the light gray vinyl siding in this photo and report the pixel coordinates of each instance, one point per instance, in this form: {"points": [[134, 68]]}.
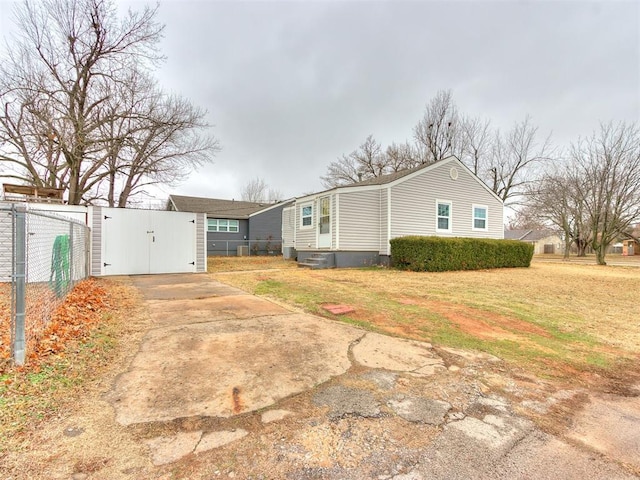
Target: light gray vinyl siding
{"points": [[96, 241], [333, 208], [201, 236], [384, 222], [288, 226], [360, 220], [306, 237], [413, 204], [6, 243]]}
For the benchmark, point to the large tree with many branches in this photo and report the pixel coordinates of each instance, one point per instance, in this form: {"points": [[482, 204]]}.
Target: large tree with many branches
{"points": [[81, 111]]}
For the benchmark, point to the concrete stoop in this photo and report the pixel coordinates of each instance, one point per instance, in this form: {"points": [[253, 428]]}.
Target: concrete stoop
{"points": [[318, 261]]}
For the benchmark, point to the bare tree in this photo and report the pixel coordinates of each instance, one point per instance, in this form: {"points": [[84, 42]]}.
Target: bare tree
{"points": [[514, 159], [402, 156], [526, 218], [475, 144], [274, 195], [163, 139], [508, 163], [610, 165], [255, 190], [67, 119], [367, 161], [437, 131], [558, 200]]}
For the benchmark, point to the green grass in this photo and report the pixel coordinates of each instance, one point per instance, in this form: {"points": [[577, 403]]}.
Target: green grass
{"points": [[35, 393]]}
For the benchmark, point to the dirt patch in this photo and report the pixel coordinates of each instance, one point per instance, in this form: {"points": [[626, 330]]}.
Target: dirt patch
{"points": [[479, 323]]}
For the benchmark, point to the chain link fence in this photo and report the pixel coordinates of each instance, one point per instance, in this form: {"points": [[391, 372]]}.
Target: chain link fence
{"points": [[229, 248], [42, 256]]}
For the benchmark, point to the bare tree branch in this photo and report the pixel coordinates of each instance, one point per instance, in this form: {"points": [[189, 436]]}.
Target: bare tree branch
{"points": [[78, 106]]}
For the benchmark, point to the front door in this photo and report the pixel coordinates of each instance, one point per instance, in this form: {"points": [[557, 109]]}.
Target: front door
{"points": [[324, 222]]}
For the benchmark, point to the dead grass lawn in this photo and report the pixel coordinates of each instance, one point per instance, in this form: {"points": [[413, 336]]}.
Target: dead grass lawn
{"points": [[235, 264], [554, 319]]}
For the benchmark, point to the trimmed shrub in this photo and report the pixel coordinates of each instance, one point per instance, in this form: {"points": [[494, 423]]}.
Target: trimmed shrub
{"points": [[440, 254]]}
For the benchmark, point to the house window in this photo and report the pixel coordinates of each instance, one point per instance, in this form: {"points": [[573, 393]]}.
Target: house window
{"points": [[223, 225], [443, 216], [306, 216], [479, 217]]}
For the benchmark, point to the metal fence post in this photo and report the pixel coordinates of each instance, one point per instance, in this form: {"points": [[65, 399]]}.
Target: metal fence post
{"points": [[72, 265], [87, 252], [19, 278]]}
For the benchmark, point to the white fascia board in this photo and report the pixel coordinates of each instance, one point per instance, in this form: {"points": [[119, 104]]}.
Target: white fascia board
{"points": [[283, 204], [175, 207]]}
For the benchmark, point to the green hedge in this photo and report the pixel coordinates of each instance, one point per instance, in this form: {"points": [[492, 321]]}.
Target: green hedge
{"points": [[439, 254]]}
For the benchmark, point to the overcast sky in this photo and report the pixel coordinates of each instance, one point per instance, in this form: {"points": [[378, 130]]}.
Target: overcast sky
{"points": [[291, 86]]}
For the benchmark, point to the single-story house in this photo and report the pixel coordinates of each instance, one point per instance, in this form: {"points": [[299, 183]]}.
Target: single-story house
{"points": [[351, 225], [544, 241], [252, 226]]}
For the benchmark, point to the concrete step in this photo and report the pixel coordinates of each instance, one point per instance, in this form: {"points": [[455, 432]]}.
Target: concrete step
{"points": [[318, 261]]}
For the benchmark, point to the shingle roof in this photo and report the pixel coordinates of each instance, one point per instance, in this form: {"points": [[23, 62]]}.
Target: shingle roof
{"points": [[515, 234], [236, 209], [528, 235], [388, 178]]}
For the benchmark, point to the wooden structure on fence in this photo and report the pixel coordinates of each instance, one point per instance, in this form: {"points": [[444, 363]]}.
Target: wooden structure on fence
{"points": [[28, 193]]}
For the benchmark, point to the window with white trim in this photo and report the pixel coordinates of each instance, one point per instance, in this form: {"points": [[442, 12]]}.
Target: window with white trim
{"points": [[223, 225], [480, 217], [306, 216], [443, 216]]}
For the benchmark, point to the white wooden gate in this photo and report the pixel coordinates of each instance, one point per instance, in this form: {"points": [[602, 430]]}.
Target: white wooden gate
{"points": [[146, 241]]}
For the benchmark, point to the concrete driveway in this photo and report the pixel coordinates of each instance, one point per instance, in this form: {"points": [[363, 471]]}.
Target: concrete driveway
{"points": [[226, 384]]}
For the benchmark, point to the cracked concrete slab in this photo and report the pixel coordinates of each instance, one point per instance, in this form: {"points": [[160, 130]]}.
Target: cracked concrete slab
{"points": [[165, 450], [211, 440], [225, 368], [611, 425], [348, 401], [185, 311], [274, 415], [470, 356], [217, 352], [542, 456], [390, 353], [420, 410]]}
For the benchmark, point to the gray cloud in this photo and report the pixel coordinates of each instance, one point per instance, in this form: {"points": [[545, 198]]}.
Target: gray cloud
{"points": [[290, 86]]}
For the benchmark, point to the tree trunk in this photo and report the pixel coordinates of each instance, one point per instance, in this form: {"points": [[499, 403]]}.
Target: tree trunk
{"points": [[112, 187], [75, 195], [600, 254]]}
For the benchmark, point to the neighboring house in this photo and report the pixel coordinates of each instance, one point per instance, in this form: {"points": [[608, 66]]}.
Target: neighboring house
{"points": [[543, 241], [630, 247], [351, 225], [234, 223]]}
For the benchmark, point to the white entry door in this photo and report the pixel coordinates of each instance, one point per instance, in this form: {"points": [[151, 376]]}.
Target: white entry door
{"points": [[324, 222], [147, 241]]}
